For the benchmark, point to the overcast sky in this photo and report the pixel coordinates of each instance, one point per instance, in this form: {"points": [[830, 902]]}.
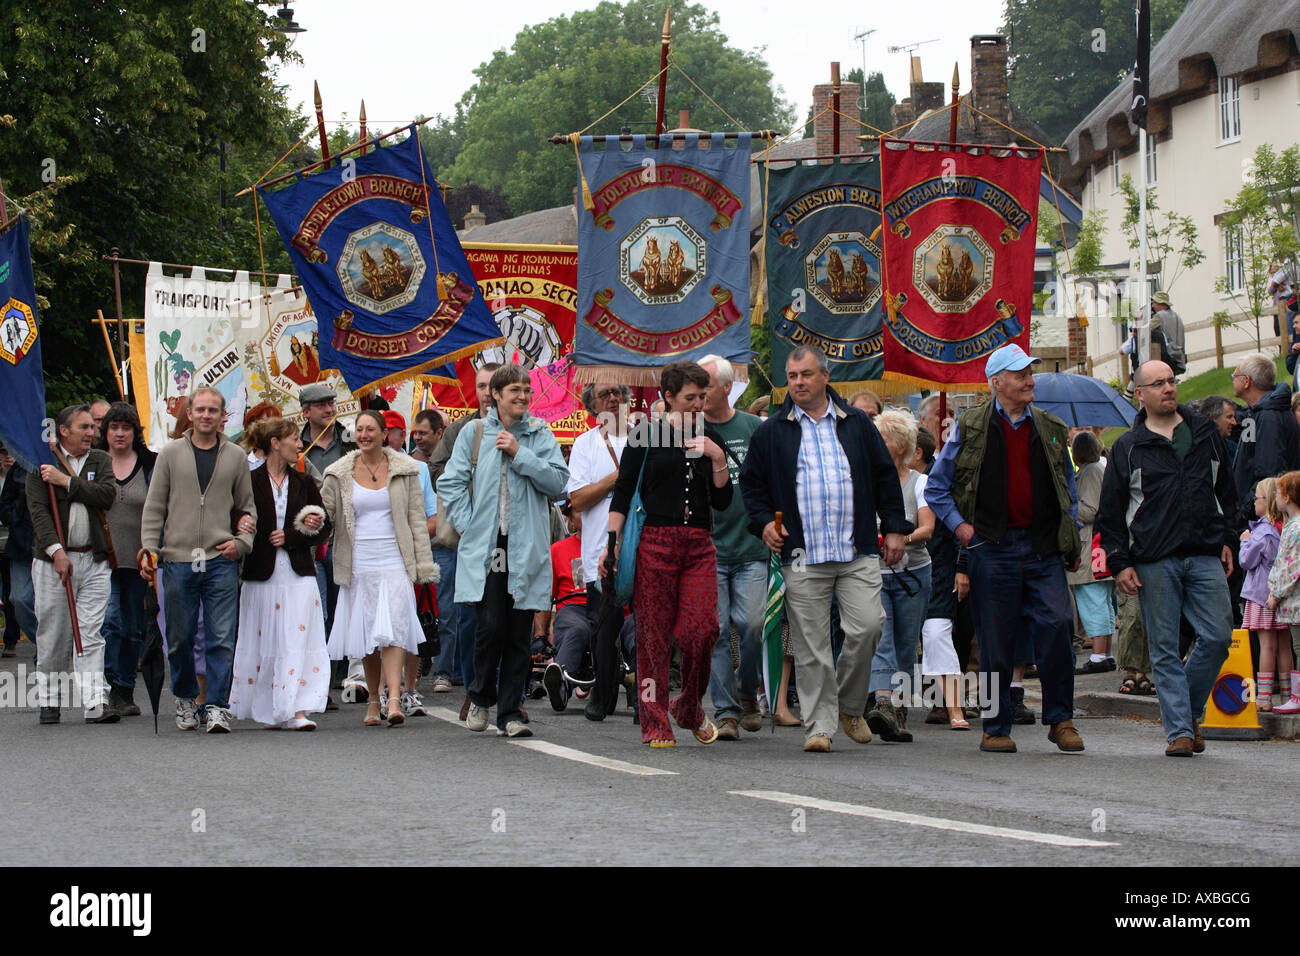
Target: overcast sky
{"points": [[409, 57]]}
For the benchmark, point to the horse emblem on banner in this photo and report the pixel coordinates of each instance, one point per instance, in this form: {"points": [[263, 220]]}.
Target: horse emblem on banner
{"points": [[953, 268], [662, 259], [380, 268], [843, 272]]}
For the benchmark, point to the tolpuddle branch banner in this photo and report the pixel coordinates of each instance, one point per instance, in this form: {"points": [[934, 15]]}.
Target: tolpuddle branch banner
{"points": [[373, 247], [532, 292], [190, 341], [23, 426], [663, 256], [960, 230], [279, 346], [823, 267]]}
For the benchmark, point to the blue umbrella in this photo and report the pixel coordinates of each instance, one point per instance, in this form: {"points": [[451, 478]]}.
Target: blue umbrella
{"points": [[1081, 401]]}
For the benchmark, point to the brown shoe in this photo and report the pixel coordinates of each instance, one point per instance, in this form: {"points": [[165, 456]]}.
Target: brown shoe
{"points": [[817, 744], [1181, 747], [728, 729], [856, 728], [1198, 742], [997, 745], [1066, 737], [523, 715], [750, 717], [464, 709]]}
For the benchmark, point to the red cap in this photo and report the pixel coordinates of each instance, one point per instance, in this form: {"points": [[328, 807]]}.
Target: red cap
{"points": [[394, 419]]}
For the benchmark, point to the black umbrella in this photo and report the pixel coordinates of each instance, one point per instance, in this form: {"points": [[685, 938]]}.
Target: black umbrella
{"points": [[153, 659], [605, 644]]}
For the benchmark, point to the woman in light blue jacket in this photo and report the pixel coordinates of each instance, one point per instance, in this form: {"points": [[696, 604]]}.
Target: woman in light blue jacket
{"points": [[498, 486]]}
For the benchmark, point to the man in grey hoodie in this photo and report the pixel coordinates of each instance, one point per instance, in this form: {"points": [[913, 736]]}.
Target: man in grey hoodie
{"points": [[200, 490]]}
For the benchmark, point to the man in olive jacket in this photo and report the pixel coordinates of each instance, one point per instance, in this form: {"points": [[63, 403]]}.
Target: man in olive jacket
{"points": [[1004, 485], [83, 490]]}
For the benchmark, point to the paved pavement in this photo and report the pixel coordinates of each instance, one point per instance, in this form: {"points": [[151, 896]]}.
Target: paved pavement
{"points": [[431, 792]]}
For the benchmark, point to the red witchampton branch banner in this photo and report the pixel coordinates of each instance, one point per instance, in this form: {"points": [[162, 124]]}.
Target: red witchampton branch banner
{"points": [[959, 233]]}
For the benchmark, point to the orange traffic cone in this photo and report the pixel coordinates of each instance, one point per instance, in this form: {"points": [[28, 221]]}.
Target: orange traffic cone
{"points": [[1230, 712]]}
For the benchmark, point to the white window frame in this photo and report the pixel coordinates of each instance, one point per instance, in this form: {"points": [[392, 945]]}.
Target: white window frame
{"points": [[1234, 258], [1151, 159], [1229, 112]]}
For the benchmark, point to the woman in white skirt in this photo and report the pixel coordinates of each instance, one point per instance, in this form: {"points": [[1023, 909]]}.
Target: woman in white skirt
{"points": [[381, 548], [281, 669]]}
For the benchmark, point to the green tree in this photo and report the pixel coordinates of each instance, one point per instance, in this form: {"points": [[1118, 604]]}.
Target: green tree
{"points": [[1172, 238], [148, 117], [564, 74], [1065, 56], [1265, 216]]}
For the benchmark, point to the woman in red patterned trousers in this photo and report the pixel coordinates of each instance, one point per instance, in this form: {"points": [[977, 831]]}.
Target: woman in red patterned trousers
{"points": [[676, 591]]}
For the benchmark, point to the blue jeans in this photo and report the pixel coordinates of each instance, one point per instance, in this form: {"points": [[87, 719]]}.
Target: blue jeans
{"points": [[1197, 588], [1013, 591], [23, 595], [905, 597], [123, 628], [742, 597], [216, 587], [329, 591], [457, 623]]}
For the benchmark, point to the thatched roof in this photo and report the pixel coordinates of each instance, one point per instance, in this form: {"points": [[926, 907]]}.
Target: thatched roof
{"points": [[1212, 38]]}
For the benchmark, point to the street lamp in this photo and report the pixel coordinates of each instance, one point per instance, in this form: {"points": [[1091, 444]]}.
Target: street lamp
{"points": [[286, 23]]}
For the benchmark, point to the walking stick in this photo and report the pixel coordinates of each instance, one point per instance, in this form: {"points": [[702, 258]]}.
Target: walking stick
{"points": [[67, 582]]}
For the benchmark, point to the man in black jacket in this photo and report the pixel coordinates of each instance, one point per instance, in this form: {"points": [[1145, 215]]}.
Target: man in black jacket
{"points": [[1165, 527], [1268, 433], [823, 465]]}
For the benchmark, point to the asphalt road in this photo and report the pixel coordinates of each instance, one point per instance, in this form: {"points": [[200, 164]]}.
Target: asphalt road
{"points": [[432, 793]]}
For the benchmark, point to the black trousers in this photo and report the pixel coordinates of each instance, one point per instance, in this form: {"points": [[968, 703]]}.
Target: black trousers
{"points": [[501, 646]]}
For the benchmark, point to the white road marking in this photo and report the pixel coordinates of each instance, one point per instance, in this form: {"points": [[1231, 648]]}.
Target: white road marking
{"points": [[566, 753], [915, 819]]}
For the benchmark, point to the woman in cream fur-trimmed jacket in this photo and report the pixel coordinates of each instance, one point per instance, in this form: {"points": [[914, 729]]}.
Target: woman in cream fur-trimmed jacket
{"points": [[405, 497]]}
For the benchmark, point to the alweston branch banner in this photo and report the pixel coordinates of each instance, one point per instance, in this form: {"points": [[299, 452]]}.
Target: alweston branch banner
{"points": [[823, 267], [959, 237], [377, 256], [663, 256]]}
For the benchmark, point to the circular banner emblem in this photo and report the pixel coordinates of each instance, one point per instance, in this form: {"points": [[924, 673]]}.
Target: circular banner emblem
{"points": [[843, 272], [17, 331]]}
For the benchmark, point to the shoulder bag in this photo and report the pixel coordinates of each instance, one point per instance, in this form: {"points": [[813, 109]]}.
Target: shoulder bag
{"points": [[446, 533]]}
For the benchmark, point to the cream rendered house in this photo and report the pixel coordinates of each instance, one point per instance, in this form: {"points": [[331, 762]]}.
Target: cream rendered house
{"points": [[1224, 80]]}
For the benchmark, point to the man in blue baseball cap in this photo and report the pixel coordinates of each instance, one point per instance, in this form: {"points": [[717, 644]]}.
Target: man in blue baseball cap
{"points": [[1005, 486]]}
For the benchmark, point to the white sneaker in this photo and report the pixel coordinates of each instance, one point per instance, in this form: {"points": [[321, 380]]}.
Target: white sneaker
{"points": [[298, 723], [516, 728], [477, 719], [218, 720], [186, 716], [412, 706], [442, 685]]}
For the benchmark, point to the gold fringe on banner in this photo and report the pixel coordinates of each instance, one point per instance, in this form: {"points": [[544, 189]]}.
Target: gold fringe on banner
{"points": [[635, 376], [421, 369], [911, 380], [587, 202]]}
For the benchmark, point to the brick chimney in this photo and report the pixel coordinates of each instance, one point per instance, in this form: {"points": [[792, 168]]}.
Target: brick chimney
{"points": [[475, 218], [988, 61], [850, 94], [925, 96]]}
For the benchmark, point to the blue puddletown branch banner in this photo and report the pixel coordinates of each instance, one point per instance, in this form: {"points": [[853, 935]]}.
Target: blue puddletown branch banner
{"points": [[23, 427], [663, 256], [823, 267], [373, 246]]}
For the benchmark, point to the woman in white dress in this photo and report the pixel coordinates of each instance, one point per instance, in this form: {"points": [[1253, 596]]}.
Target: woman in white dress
{"points": [[281, 669], [381, 548]]}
